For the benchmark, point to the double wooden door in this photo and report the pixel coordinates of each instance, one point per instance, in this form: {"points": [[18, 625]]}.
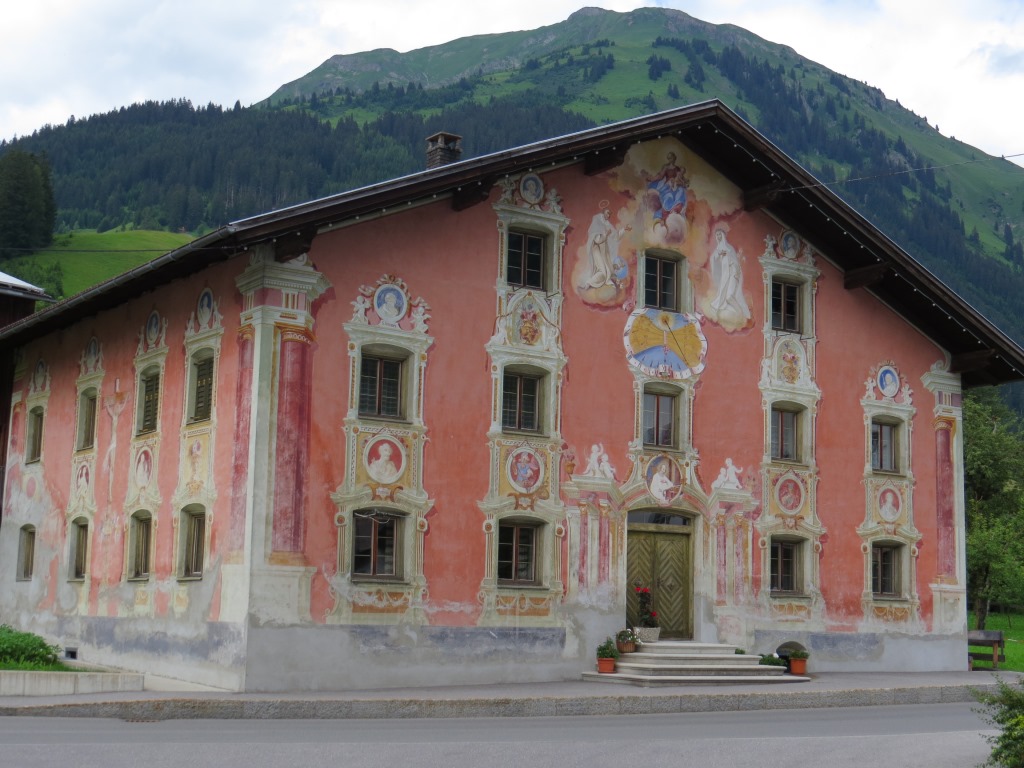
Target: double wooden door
{"points": [[658, 557]]}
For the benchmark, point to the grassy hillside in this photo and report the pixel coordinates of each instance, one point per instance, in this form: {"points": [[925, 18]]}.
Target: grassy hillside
{"points": [[84, 258]]}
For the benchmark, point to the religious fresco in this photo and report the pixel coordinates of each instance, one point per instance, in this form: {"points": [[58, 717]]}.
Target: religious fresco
{"points": [[387, 304], [663, 197], [665, 345], [664, 480], [524, 469], [384, 459]]}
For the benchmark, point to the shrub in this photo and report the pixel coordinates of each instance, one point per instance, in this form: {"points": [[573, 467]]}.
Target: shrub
{"points": [[24, 647], [1005, 710], [771, 660]]}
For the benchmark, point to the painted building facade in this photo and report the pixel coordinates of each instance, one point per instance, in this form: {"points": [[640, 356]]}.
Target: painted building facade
{"points": [[440, 430]]}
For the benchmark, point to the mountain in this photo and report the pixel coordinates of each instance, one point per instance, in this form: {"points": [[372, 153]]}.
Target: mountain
{"points": [[362, 118]]}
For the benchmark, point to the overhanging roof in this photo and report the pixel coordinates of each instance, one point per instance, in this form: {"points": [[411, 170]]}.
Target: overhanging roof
{"points": [[769, 179]]}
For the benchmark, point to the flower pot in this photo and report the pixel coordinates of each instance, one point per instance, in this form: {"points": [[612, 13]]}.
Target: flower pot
{"points": [[648, 634], [628, 647], [798, 666], [606, 665]]}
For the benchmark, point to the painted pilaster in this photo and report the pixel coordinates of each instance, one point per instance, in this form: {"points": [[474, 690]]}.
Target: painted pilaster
{"points": [[949, 588], [277, 301]]}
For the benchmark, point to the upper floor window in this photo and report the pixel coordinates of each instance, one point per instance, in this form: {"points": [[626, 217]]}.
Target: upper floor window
{"points": [[785, 434], [661, 283], [884, 447], [201, 389], [86, 420], [525, 267], [380, 387], [34, 443], [659, 425], [520, 401], [786, 300], [149, 401]]}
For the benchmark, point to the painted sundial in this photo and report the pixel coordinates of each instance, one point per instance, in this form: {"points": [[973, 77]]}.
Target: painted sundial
{"points": [[665, 344]]}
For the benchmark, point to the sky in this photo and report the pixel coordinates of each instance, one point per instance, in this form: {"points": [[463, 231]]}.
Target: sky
{"points": [[959, 64]]}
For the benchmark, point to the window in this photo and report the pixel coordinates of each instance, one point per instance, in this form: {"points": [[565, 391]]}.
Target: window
{"points": [[785, 306], [525, 267], [140, 539], [202, 388], [785, 566], [79, 559], [885, 570], [517, 553], [34, 446], [194, 543], [149, 400], [26, 552], [661, 283], [520, 402], [659, 419], [86, 419], [785, 432], [376, 544], [884, 447], [380, 387]]}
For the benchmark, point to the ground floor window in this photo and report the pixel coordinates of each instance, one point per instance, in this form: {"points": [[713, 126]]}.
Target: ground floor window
{"points": [[375, 545], [517, 553], [885, 570], [785, 566]]}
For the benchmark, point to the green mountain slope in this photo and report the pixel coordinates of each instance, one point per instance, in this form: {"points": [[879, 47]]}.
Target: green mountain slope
{"points": [[362, 118]]}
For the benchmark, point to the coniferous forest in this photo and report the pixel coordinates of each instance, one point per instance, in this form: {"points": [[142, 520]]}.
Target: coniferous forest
{"points": [[171, 165]]}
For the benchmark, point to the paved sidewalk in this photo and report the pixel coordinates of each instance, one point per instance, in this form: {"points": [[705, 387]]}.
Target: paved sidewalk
{"points": [[827, 689]]}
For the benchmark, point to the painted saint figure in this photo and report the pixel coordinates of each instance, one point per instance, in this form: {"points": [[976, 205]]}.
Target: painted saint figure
{"points": [[667, 189], [889, 509], [729, 304], [661, 483], [603, 250]]}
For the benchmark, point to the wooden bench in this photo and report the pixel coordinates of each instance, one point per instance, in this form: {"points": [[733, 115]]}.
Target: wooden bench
{"points": [[987, 638]]}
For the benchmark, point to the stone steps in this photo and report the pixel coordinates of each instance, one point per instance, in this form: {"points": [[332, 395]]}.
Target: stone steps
{"points": [[679, 662]]}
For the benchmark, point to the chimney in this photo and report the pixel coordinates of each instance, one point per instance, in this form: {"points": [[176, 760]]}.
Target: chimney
{"points": [[442, 149]]}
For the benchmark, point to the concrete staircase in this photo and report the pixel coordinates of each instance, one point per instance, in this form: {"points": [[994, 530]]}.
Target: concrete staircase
{"points": [[681, 662]]}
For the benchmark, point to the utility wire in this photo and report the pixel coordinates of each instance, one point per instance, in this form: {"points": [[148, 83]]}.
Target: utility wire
{"points": [[896, 173]]}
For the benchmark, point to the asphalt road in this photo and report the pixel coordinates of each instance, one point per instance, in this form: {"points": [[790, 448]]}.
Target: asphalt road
{"points": [[930, 736]]}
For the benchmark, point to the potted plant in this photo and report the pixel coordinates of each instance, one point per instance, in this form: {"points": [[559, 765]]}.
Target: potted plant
{"points": [[625, 640], [607, 653], [648, 630], [798, 662]]}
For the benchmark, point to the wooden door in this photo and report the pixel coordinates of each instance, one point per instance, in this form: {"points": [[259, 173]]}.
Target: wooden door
{"points": [[658, 557]]}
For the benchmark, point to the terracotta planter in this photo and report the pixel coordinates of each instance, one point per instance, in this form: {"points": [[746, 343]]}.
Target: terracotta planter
{"points": [[798, 666], [629, 647], [606, 665], [648, 634]]}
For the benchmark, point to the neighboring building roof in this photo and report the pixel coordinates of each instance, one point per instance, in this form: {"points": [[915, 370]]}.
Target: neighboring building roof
{"points": [[769, 179], [12, 286]]}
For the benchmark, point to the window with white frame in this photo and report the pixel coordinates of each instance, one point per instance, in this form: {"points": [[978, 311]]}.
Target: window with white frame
{"points": [[26, 552], [201, 386], [148, 411], [377, 538], [87, 402], [192, 542], [887, 569], [663, 282], [785, 433], [526, 260], [140, 545], [885, 453], [78, 560], [522, 400], [381, 385], [34, 437], [518, 548], [660, 417], [786, 566], [787, 306]]}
